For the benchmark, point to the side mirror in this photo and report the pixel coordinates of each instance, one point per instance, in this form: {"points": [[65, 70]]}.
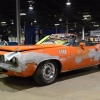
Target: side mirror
{"points": [[82, 45]]}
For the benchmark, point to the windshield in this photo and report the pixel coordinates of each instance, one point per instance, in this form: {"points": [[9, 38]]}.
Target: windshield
{"points": [[61, 39]]}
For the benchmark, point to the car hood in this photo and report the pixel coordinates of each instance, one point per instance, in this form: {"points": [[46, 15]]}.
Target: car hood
{"points": [[27, 47]]}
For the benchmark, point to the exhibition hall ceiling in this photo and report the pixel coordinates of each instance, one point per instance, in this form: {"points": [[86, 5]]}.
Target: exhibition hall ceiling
{"points": [[47, 13]]}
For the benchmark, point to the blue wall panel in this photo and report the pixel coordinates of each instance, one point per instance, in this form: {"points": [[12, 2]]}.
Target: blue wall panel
{"points": [[30, 32]]}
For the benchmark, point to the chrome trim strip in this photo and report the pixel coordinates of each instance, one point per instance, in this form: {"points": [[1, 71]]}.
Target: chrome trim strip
{"points": [[11, 67]]}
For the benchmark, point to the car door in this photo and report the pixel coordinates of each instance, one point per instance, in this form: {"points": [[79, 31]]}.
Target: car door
{"points": [[94, 54], [79, 57], [64, 57]]}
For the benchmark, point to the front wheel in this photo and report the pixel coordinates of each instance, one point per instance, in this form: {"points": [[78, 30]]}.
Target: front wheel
{"points": [[46, 73]]}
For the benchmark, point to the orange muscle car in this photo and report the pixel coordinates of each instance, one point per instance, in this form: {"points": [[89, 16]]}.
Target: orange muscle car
{"points": [[44, 61]]}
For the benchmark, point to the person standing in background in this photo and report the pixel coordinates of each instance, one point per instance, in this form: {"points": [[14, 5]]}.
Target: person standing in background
{"points": [[41, 35], [35, 37], [5, 37]]}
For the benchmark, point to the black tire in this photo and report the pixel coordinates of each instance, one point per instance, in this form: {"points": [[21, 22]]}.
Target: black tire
{"points": [[99, 66], [46, 73]]}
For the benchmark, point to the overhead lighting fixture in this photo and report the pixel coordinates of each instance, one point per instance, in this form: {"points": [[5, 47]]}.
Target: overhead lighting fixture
{"points": [[56, 24], [9, 31], [93, 22], [22, 14], [30, 7], [35, 21], [30, 2], [71, 29], [68, 3], [96, 25], [75, 25], [86, 15], [85, 18], [31, 23], [12, 22], [60, 19], [3, 22]]}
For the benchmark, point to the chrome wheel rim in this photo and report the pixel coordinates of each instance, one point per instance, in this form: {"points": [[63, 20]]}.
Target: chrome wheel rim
{"points": [[48, 71]]}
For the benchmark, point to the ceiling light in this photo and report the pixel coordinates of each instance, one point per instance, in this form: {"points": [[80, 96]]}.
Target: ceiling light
{"points": [[60, 19], [35, 21], [71, 29], [9, 31], [3, 22], [93, 22], [12, 22], [86, 15], [31, 2], [75, 24], [31, 23], [30, 7], [22, 14], [68, 3], [85, 18], [96, 25], [57, 24]]}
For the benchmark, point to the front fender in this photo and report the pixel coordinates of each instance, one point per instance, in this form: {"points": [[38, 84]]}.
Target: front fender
{"points": [[34, 57]]}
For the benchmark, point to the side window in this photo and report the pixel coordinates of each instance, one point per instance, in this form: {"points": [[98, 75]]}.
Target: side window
{"points": [[76, 41], [90, 43], [82, 41]]}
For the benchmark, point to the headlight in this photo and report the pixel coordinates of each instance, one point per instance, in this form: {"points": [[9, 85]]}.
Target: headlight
{"points": [[14, 60]]}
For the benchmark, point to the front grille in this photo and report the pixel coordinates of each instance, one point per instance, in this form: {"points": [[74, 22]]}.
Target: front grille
{"points": [[1, 58]]}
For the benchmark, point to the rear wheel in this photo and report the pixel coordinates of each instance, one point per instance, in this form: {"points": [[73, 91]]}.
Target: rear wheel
{"points": [[46, 73]]}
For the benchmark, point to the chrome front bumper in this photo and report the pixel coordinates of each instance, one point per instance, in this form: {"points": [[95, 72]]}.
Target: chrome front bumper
{"points": [[11, 67]]}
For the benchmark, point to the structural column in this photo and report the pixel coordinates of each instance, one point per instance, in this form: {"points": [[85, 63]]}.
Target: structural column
{"points": [[56, 30], [18, 19], [67, 26], [83, 35]]}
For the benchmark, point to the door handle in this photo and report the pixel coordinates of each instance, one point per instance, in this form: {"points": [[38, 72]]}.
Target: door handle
{"points": [[96, 49]]}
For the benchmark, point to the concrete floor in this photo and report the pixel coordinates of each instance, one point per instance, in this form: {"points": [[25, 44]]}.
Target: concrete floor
{"points": [[82, 84]]}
